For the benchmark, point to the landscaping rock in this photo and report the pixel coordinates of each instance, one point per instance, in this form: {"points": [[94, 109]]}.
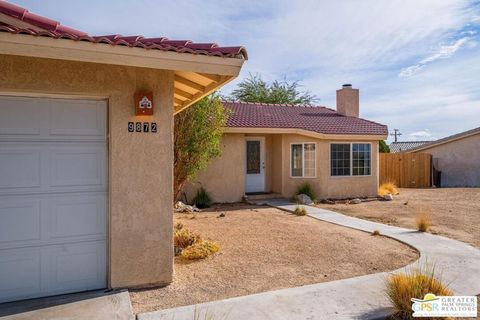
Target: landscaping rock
{"points": [[355, 201], [222, 215], [304, 199], [185, 208], [388, 197]]}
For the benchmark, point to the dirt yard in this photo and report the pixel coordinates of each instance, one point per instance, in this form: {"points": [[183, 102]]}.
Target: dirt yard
{"points": [[455, 212], [265, 249]]}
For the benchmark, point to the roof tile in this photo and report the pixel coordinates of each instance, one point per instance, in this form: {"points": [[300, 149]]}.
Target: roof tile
{"points": [[311, 118], [55, 30]]}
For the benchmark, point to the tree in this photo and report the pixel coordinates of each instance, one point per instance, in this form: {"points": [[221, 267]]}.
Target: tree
{"points": [[383, 147], [197, 134], [255, 89]]}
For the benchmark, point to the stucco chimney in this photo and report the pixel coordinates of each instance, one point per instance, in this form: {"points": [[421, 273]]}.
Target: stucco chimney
{"points": [[348, 101]]}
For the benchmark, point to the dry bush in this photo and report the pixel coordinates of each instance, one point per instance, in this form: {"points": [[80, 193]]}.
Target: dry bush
{"points": [[183, 238], [387, 188], [300, 211], [416, 283], [376, 233], [200, 250], [423, 220]]}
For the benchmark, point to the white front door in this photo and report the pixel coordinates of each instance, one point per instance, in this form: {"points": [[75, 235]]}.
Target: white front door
{"points": [[53, 196], [255, 164]]}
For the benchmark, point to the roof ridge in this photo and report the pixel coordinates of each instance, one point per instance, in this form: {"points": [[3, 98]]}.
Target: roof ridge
{"points": [[276, 104]]}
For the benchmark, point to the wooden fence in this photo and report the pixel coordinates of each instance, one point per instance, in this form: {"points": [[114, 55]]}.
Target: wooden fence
{"points": [[406, 170]]}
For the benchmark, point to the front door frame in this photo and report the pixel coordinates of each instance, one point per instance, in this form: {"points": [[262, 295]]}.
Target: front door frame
{"points": [[261, 177]]}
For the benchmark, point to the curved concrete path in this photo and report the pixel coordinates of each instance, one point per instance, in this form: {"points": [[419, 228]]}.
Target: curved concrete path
{"points": [[355, 298]]}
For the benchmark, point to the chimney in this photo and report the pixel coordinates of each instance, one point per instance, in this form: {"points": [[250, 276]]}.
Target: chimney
{"points": [[348, 101]]}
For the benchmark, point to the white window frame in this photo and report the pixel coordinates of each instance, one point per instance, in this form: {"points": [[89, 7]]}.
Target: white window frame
{"points": [[351, 159], [303, 161]]}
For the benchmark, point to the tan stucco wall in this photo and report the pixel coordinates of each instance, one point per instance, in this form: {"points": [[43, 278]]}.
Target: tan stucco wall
{"points": [[140, 164], [325, 185], [459, 161], [225, 177]]}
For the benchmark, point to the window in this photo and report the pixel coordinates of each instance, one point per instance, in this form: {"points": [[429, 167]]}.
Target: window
{"points": [[340, 159], [350, 159], [303, 160], [361, 159]]}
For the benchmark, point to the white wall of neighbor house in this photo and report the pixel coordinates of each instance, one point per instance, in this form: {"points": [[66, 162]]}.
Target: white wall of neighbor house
{"points": [[459, 161], [224, 178]]}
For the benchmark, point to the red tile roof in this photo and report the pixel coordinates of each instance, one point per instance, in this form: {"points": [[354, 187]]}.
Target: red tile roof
{"points": [[317, 119], [54, 29]]}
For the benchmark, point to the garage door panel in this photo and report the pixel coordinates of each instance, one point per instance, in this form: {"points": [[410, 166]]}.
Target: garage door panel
{"points": [[20, 221], [20, 273], [79, 118], [77, 217], [20, 117], [77, 166], [79, 266], [20, 167], [53, 196]]}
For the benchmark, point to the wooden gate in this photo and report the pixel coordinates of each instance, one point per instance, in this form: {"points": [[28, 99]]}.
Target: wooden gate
{"points": [[406, 170]]}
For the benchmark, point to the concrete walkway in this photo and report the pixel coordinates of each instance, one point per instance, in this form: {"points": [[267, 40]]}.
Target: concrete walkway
{"points": [[355, 298], [79, 306]]}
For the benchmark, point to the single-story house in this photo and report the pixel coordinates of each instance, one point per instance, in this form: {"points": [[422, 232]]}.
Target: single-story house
{"points": [[457, 157], [86, 152], [403, 146], [274, 148]]}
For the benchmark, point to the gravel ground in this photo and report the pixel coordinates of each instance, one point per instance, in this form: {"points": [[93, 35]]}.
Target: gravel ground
{"points": [[265, 249], [455, 212]]}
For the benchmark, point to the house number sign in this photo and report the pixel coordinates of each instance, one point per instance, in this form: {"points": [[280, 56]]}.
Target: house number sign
{"points": [[142, 127]]}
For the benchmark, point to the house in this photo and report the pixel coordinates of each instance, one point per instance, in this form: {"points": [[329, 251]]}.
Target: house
{"points": [[86, 170], [402, 146], [457, 157], [275, 148]]}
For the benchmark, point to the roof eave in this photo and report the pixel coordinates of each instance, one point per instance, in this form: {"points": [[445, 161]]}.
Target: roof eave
{"points": [[313, 134], [446, 140], [217, 71]]}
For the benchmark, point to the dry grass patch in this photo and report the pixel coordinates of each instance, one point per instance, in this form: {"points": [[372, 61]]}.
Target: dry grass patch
{"points": [[300, 211], [200, 250], [388, 188], [423, 220], [414, 283]]}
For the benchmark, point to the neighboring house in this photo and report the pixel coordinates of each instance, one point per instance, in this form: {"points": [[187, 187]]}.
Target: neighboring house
{"points": [[86, 185], [402, 146], [457, 157], [275, 148]]}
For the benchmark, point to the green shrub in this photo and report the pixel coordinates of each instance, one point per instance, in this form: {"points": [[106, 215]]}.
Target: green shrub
{"points": [[202, 199], [300, 211], [306, 188]]}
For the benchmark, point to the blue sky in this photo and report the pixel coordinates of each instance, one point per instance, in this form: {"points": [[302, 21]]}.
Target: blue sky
{"points": [[416, 62]]}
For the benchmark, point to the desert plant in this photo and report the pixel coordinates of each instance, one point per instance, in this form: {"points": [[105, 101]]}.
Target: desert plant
{"points": [[306, 188], [198, 131], [413, 283], [183, 238], [387, 188], [422, 220], [200, 250], [376, 232], [178, 226], [202, 199], [300, 211]]}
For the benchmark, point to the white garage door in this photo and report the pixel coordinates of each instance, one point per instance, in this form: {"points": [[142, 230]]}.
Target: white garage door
{"points": [[53, 196]]}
